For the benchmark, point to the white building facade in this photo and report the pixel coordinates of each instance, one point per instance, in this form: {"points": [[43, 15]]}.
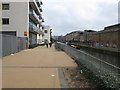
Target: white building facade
{"points": [[22, 19], [47, 34]]}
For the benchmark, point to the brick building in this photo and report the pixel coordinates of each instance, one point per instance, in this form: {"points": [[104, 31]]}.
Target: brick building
{"points": [[109, 37]]}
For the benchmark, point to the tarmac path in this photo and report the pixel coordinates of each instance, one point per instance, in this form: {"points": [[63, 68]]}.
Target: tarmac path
{"points": [[34, 68]]}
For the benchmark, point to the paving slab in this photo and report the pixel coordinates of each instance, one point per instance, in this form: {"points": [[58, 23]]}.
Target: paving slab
{"points": [[40, 56], [34, 68], [30, 78]]}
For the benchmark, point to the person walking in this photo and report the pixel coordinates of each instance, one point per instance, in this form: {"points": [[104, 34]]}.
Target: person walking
{"points": [[46, 43], [50, 44]]}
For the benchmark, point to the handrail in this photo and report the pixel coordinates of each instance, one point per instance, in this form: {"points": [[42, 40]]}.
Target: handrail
{"points": [[93, 57]]}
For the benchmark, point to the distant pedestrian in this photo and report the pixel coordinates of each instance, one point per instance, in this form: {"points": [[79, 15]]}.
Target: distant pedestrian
{"points": [[46, 43], [50, 44]]}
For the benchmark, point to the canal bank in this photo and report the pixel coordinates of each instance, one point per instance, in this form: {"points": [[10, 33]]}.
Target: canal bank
{"points": [[110, 56], [99, 70], [104, 50]]}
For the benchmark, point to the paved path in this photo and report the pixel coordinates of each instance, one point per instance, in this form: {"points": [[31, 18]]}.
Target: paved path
{"points": [[34, 68]]}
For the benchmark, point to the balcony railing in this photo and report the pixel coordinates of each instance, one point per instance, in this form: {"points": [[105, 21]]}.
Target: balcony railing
{"points": [[36, 17], [41, 2], [43, 20], [40, 9], [33, 27], [40, 17], [38, 3], [35, 5]]}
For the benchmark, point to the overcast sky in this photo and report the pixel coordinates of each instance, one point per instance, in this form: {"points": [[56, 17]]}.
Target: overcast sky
{"points": [[64, 16]]}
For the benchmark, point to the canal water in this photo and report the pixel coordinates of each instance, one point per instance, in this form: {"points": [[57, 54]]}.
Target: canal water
{"points": [[111, 59]]}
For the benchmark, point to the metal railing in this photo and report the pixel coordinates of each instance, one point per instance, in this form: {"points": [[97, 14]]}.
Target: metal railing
{"points": [[33, 27], [37, 7], [38, 2], [109, 73], [32, 12]]}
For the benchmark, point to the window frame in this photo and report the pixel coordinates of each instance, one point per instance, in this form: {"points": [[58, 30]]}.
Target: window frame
{"points": [[46, 31], [5, 21], [6, 8]]}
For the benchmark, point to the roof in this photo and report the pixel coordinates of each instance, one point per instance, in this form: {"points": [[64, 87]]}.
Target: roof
{"points": [[113, 27]]}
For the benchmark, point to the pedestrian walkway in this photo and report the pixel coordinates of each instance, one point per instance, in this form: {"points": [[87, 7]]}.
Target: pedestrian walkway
{"points": [[34, 68]]}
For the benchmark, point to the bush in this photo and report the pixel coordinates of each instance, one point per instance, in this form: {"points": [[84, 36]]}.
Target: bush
{"points": [[92, 77], [35, 45], [32, 46]]}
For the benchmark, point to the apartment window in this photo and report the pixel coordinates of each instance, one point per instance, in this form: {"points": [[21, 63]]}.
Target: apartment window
{"points": [[5, 7], [5, 21], [45, 31]]}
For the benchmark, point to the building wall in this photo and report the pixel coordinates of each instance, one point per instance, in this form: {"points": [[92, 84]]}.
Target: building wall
{"points": [[0, 16], [81, 38], [40, 36], [9, 44], [74, 36], [18, 15], [119, 40], [18, 18], [46, 35], [106, 39], [109, 37]]}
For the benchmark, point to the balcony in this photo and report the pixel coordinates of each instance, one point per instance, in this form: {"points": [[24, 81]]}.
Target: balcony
{"points": [[34, 16], [40, 9], [40, 17], [41, 32], [41, 2], [43, 20], [33, 28], [38, 3], [35, 5]]}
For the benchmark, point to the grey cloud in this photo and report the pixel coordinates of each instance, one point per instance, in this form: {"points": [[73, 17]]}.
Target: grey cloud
{"points": [[66, 18]]}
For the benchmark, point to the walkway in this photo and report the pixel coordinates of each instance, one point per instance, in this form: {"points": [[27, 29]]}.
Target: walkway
{"points": [[34, 68]]}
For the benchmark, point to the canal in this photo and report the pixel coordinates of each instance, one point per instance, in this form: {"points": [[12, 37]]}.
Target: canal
{"points": [[104, 66], [111, 59]]}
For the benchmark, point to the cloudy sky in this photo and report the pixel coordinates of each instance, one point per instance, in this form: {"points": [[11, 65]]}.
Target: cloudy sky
{"points": [[64, 16]]}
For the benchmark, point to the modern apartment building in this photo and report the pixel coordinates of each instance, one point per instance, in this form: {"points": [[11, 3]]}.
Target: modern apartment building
{"points": [[23, 20]]}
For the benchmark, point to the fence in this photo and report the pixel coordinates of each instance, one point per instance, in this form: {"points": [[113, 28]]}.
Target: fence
{"points": [[0, 46], [22, 43], [11, 44], [109, 73]]}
